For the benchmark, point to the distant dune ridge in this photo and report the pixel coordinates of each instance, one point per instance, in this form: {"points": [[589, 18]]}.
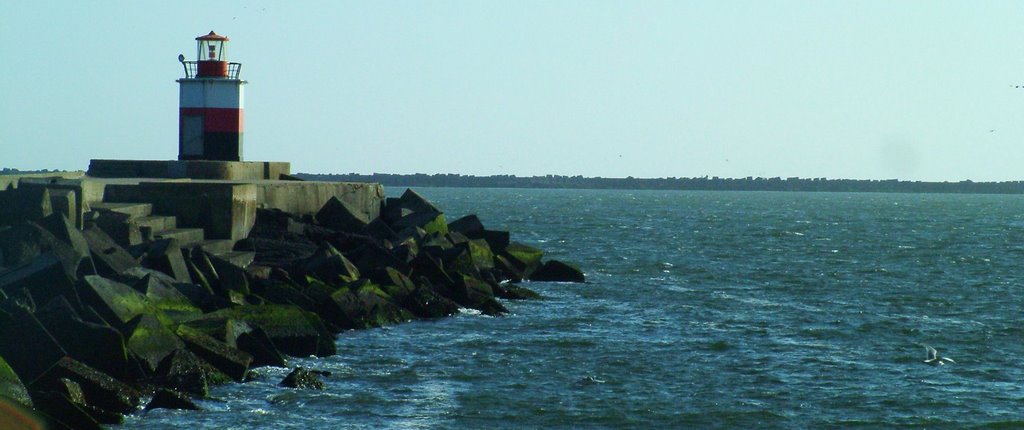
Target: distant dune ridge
{"points": [[700, 183]]}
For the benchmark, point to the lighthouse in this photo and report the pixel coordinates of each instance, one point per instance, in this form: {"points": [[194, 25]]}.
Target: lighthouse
{"points": [[211, 112]]}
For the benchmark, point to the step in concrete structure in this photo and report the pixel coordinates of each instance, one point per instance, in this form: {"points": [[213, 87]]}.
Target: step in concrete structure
{"points": [[157, 222], [185, 236], [133, 210]]}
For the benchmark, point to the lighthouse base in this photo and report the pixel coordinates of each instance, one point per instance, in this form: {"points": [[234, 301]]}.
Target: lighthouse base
{"points": [[189, 169]]}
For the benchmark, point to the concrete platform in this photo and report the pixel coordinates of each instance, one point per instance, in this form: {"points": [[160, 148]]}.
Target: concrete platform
{"points": [[190, 169], [225, 209]]}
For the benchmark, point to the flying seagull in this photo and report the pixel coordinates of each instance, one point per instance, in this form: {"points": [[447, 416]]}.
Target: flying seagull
{"points": [[934, 359]]}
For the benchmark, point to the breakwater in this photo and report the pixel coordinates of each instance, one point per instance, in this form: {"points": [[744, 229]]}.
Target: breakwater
{"points": [[116, 328]]}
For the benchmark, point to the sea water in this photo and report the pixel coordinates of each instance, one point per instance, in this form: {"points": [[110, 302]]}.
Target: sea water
{"points": [[702, 309]]}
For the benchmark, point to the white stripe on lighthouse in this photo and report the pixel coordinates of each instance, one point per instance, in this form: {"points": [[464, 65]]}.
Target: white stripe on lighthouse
{"points": [[211, 93]]}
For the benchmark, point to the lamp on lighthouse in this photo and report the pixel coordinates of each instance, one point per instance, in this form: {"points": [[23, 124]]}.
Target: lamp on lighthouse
{"points": [[211, 55]]}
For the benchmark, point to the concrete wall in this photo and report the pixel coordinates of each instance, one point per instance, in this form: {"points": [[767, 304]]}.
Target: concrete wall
{"points": [[300, 197]]}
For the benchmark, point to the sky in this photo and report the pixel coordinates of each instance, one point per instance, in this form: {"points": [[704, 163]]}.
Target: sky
{"points": [[911, 90]]}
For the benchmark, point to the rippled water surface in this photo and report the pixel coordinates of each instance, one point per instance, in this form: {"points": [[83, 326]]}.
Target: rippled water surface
{"points": [[706, 309]]}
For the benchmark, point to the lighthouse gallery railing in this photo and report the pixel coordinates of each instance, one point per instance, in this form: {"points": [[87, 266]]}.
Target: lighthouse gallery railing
{"points": [[191, 67]]}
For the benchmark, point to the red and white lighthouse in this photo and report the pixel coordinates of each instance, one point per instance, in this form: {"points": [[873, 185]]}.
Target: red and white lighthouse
{"points": [[210, 104]]}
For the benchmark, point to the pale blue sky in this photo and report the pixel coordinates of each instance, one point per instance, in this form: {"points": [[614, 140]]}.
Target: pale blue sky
{"points": [[854, 89]]}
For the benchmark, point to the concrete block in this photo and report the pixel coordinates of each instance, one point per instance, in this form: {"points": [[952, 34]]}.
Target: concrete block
{"points": [[29, 360], [108, 257], [165, 256]]}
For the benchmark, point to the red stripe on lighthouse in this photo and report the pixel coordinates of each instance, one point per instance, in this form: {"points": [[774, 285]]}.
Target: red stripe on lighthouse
{"points": [[218, 120]]}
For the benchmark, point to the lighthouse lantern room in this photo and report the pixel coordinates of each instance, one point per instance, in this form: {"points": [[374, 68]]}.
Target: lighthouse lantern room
{"points": [[210, 104]]}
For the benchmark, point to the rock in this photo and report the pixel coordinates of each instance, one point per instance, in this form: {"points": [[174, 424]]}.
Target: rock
{"points": [[253, 340], [506, 269], [30, 360], [164, 293], [25, 241], [165, 255], [338, 215], [11, 386], [101, 390], [329, 265], [65, 231], [152, 342], [43, 278], [557, 271], [514, 292], [426, 266], [65, 399], [303, 378], [380, 230], [497, 240], [415, 202], [96, 345], [430, 222], [169, 399], [232, 277], [185, 372], [468, 225], [117, 303], [392, 210], [294, 331], [110, 259], [230, 361], [425, 303], [120, 227], [61, 412], [277, 253], [24, 204], [480, 296], [525, 258], [372, 256]]}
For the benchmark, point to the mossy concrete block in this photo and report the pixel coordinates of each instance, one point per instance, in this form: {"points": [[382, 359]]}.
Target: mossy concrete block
{"points": [[165, 296], [526, 258], [430, 222], [233, 362], [153, 342], [294, 331], [11, 386], [117, 303]]}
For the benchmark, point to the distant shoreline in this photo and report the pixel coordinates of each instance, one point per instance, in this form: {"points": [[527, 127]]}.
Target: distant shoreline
{"points": [[695, 184]]}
